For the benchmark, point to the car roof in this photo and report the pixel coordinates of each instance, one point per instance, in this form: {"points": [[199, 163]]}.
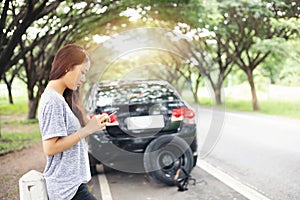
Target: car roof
{"points": [[106, 83]]}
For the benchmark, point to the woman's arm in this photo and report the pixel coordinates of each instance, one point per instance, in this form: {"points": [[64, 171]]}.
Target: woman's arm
{"points": [[56, 145]]}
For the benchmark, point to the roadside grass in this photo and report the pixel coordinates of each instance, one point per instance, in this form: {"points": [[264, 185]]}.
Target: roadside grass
{"points": [[11, 142], [17, 134], [283, 108], [19, 106], [16, 131]]}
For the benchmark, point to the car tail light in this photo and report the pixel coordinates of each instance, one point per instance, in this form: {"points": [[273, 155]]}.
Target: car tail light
{"points": [[183, 114], [177, 115]]}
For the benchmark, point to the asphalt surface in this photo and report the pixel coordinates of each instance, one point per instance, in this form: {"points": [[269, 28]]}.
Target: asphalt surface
{"points": [[261, 151], [130, 186]]}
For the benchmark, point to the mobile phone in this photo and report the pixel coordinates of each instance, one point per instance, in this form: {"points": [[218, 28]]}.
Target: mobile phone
{"points": [[114, 112]]}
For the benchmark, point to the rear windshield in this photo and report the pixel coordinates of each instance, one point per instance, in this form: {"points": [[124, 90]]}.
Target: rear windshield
{"points": [[137, 93]]}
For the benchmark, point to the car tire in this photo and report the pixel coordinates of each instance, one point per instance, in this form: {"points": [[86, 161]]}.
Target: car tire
{"points": [[164, 156], [195, 161]]}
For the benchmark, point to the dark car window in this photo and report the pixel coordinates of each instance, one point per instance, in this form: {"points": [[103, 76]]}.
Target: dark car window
{"points": [[125, 94]]}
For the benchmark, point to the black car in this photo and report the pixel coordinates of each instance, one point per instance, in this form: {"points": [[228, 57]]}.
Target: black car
{"points": [[152, 129]]}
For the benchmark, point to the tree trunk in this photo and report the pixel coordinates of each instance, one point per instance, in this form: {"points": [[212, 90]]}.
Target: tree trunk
{"points": [[32, 101], [253, 90], [10, 98], [196, 99], [218, 95], [217, 90], [8, 86], [32, 108]]}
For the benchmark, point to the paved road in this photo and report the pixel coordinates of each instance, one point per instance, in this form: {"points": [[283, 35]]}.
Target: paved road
{"points": [[259, 150], [130, 186]]}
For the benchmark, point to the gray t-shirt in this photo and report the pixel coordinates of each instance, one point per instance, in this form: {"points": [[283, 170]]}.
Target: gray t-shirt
{"points": [[65, 171]]}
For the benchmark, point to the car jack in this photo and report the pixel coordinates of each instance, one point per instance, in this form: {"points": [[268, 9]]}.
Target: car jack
{"points": [[182, 183]]}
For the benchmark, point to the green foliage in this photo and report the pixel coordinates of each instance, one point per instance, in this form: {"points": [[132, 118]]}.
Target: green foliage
{"points": [[292, 23], [272, 67], [265, 45], [290, 76]]}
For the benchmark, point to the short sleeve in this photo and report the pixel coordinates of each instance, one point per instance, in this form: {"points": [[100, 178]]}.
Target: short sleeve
{"points": [[52, 121]]}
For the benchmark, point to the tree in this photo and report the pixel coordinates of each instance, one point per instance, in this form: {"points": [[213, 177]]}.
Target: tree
{"points": [[206, 57], [8, 79], [244, 24], [181, 73], [212, 62], [64, 25], [16, 18]]}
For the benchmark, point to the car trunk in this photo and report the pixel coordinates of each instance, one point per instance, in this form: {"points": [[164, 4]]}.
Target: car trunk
{"points": [[143, 119]]}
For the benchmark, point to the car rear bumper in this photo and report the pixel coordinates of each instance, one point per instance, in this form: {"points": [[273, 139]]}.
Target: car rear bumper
{"points": [[101, 142]]}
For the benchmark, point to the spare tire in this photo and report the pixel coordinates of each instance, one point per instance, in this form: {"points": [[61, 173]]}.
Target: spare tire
{"points": [[164, 156]]}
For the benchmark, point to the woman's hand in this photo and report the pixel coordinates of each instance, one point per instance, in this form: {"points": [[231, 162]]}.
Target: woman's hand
{"points": [[96, 123]]}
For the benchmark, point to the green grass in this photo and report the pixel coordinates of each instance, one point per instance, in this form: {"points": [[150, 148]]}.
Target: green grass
{"points": [[11, 142], [19, 106], [16, 131], [17, 134], [282, 108]]}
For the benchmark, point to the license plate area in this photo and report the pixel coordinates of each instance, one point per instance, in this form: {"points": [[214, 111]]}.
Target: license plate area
{"points": [[145, 122]]}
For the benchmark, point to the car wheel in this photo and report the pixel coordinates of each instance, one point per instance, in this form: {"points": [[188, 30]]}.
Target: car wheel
{"points": [[164, 156]]}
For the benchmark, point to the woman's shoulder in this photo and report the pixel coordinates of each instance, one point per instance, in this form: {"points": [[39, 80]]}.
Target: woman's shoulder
{"points": [[51, 97]]}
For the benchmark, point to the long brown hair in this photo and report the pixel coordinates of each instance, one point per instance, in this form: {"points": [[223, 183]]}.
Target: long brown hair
{"points": [[65, 60]]}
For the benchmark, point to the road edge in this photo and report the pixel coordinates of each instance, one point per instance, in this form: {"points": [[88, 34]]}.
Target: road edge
{"points": [[228, 180]]}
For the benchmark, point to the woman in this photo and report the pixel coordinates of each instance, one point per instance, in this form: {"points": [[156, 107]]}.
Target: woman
{"points": [[61, 119]]}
